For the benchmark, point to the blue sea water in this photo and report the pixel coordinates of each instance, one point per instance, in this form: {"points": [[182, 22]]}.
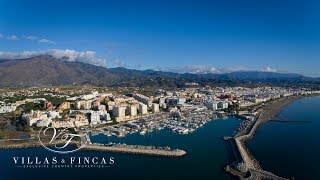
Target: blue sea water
{"points": [[291, 149]]}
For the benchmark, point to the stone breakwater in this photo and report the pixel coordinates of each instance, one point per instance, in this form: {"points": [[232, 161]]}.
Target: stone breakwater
{"points": [[130, 149], [20, 146], [137, 149], [29, 143], [249, 163]]}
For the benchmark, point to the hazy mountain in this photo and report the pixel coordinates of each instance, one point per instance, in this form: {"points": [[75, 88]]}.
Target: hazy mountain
{"points": [[46, 70], [254, 75]]}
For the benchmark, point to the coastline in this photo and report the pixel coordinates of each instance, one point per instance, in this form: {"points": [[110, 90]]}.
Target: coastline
{"points": [[250, 168], [266, 114]]}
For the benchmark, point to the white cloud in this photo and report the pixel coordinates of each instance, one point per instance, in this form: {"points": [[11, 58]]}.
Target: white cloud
{"points": [[120, 63], [193, 69], [204, 69], [268, 69], [239, 68], [46, 41], [138, 66], [31, 38], [12, 37], [64, 55]]}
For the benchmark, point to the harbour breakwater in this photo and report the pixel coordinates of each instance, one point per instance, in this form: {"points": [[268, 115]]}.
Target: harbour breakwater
{"points": [[130, 149], [247, 167], [28, 143], [117, 148], [137, 149]]}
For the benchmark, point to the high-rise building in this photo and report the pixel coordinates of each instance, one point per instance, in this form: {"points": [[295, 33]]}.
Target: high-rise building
{"points": [[211, 105], [132, 110], [95, 104], [223, 104], [84, 104], [143, 109], [155, 108], [119, 111], [94, 118], [65, 105], [144, 99]]}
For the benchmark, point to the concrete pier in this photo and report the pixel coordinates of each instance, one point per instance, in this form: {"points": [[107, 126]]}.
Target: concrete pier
{"points": [[27, 143], [130, 149], [137, 149], [252, 166]]}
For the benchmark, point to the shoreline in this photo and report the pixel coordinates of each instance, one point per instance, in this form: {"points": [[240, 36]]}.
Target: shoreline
{"points": [[250, 168]]}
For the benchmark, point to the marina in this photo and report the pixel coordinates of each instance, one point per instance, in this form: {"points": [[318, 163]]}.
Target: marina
{"points": [[146, 125], [216, 154]]}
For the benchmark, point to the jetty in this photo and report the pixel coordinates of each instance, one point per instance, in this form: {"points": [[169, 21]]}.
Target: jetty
{"points": [[246, 166], [86, 144], [118, 148], [136, 149], [28, 143]]}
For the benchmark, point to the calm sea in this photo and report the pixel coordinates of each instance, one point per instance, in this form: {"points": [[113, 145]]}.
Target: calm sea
{"points": [[291, 149]]}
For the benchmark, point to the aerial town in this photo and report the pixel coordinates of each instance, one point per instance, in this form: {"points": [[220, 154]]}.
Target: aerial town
{"points": [[114, 114]]}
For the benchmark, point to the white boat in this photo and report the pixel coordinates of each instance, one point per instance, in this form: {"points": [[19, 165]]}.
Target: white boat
{"points": [[185, 131], [120, 135]]}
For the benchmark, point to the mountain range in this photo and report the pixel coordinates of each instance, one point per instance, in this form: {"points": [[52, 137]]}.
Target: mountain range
{"points": [[47, 70]]}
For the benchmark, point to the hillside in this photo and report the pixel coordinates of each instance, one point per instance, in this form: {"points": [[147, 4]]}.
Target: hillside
{"points": [[46, 70]]}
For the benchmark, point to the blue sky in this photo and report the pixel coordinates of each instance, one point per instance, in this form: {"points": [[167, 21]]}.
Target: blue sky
{"points": [[180, 36]]}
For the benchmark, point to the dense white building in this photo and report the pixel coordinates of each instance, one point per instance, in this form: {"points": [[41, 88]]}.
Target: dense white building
{"points": [[90, 96], [94, 118], [211, 105], [104, 115], [53, 114], [223, 104], [143, 109], [84, 104], [175, 100], [34, 116], [99, 117], [119, 111], [132, 110], [6, 109], [144, 99], [102, 107], [77, 121], [155, 108], [44, 123]]}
